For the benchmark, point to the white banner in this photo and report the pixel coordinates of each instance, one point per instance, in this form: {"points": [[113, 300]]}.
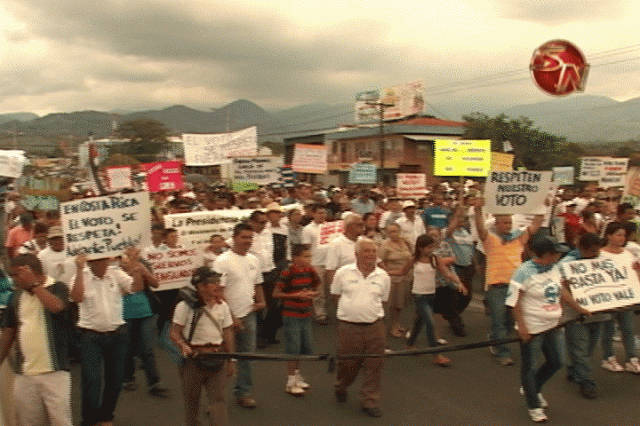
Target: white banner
{"points": [[590, 168], [411, 185], [119, 177], [195, 229], [613, 172], [600, 284], [11, 163], [517, 192], [330, 230], [104, 226], [260, 170], [309, 159], [173, 267], [218, 148]]}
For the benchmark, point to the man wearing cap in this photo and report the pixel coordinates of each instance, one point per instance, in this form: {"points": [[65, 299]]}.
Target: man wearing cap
{"points": [[504, 254], [535, 293], [411, 227], [54, 261]]}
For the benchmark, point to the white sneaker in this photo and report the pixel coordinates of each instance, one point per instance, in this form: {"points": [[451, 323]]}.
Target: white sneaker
{"points": [[611, 364], [543, 402], [633, 366], [294, 389], [302, 384], [538, 415]]}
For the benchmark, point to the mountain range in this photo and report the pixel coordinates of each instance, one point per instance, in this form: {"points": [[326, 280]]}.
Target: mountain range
{"points": [[579, 118]]}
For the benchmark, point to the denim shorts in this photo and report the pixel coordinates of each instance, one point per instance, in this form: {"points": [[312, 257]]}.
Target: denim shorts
{"points": [[298, 335]]}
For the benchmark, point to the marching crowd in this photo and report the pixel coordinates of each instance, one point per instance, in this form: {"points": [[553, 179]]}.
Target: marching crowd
{"points": [[273, 273]]}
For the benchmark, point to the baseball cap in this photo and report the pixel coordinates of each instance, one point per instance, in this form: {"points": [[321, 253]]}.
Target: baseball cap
{"points": [[547, 244]]}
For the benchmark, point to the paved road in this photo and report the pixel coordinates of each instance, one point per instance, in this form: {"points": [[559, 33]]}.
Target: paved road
{"points": [[475, 390]]}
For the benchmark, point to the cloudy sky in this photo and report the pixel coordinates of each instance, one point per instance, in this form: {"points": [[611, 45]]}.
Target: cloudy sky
{"points": [[69, 55]]}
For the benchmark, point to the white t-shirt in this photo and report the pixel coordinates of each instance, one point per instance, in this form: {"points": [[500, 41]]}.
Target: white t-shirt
{"points": [[262, 248], [409, 230], [360, 298], [56, 265], [101, 308], [539, 290], [240, 275], [206, 332], [340, 252], [311, 235], [424, 278]]}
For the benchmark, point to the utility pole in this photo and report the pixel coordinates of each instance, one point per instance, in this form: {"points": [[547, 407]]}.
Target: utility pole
{"points": [[381, 106]]}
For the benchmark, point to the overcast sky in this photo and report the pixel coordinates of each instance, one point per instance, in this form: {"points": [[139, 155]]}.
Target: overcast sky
{"points": [[70, 55]]}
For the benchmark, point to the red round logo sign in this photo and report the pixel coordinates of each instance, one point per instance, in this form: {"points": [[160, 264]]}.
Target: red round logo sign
{"points": [[559, 68]]}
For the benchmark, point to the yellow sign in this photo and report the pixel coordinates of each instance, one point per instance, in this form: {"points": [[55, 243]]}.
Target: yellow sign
{"points": [[462, 158], [501, 162]]}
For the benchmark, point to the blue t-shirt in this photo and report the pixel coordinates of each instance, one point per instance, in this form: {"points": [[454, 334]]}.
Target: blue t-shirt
{"points": [[436, 216], [136, 305]]}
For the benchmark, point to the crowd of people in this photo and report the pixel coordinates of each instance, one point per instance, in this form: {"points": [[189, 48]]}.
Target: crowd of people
{"points": [[272, 277]]}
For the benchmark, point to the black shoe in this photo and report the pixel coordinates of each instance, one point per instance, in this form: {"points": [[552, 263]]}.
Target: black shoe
{"points": [[371, 411], [159, 392], [341, 397], [262, 343], [273, 341], [588, 391]]}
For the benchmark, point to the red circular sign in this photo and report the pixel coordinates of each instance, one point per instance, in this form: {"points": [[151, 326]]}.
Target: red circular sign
{"points": [[559, 68]]}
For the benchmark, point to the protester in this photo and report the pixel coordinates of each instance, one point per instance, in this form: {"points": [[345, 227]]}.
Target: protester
{"points": [[411, 226], [361, 289], [38, 242], [311, 237], [215, 248], [19, 235], [297, 287], [341, 251], [200, 329]]}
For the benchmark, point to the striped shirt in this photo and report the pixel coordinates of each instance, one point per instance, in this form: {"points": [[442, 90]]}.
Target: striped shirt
{"points": [[42, 336], [293, 280]]}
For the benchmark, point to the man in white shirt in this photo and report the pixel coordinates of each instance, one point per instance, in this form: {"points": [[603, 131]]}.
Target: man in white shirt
{"points": [[311, 237], [54, 261], [361, 289], [411, 227], [242, 279], [341, 250], [98, 288]]}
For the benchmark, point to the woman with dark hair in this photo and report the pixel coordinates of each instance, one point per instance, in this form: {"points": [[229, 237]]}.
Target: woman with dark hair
{"points": [[200, 327]]}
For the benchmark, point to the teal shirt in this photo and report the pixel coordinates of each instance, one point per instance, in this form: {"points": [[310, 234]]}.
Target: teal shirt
{"points": [[136, 305]]}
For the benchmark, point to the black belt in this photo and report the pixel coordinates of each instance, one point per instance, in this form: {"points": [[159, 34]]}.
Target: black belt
{"points": [[359, 323], [88, 330]]}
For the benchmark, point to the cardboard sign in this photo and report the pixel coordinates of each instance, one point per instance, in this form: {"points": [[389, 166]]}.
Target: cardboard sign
{"points": [[173, 267], [309, 159], [411, 185], [118, 177], [330, 230], [363, 173], [590, 168], [563, 175], [219, 148], [462, 158], [613, 172], [104, 226], [259, 170], [196, 228], [632, 183], [164, 176], [11, 163], [517, 192], [601, 284], [501, 162]]}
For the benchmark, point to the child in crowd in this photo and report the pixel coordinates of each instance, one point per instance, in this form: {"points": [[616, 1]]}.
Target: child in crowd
{"points": [[215, 248], [297, 287]]}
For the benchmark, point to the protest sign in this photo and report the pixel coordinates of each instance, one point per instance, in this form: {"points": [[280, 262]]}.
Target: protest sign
{"points": [[517, 192], [363, 173], [11, 163], [118, 177], [501, 162], [173, 267], [632, 184], [411, 185], [563, 175], [309, 159], [259, 170], [613, 172], [330, 230], [590, 168], [196, 228], [462, 157], [40, 202], [601, 284], [104, 226], [164, 176], [287, 178], [219, 148], [244, 186]]}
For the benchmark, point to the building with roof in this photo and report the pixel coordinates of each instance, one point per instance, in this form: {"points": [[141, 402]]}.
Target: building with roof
{"points": [[403, 146]]}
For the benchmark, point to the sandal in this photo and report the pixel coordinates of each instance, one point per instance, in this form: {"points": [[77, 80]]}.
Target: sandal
{"points": [[441, 361], [397, 333]]}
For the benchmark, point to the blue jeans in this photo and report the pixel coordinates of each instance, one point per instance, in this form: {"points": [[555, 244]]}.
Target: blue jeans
{"points": [[424, 312], [501, 319], [533, 379], [581, 342], [142, 341], [625, 322], [101, 389], [245, 342]]}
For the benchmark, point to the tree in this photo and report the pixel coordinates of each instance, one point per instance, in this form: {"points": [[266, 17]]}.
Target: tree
{"points": [[147, 138], [533, 148]]}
